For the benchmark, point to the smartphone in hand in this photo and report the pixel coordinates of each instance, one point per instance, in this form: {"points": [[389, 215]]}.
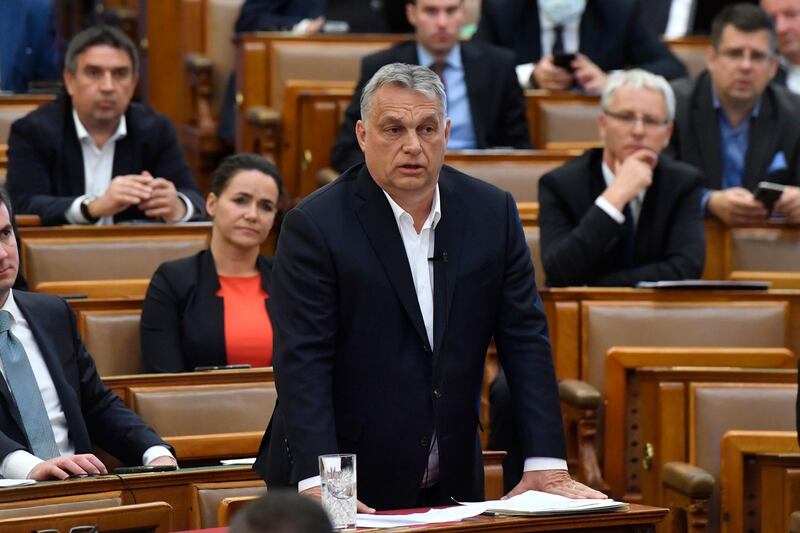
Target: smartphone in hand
{"points": [[768, 193], [564, 61]]}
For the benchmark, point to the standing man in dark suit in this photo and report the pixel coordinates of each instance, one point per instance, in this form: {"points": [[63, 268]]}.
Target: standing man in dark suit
{"points": [[606, 35], [735, 126], [486, 105], [53, 406], [62, 157], [624, 214], [387, 286]]}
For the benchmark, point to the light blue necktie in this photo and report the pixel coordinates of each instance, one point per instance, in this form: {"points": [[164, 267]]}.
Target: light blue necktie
{"points": [[21, 381]]}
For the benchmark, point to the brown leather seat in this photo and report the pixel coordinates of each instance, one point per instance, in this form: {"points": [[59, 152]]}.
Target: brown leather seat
{"points": [[532, 236], [102, 259], [208, 421], [563, 120], [112, 337], [692, 51], [207, 498], [765, 249], [713, 324], [716, 408], [794, 522]]}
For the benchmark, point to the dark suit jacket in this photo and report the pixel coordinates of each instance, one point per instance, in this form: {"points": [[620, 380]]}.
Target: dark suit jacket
{"points": [[45, 161], [696, 137], [354, 369], [183, 324], [581, 244], [27, 44], [612, 35], [95, 415], [495, 99], [276, 15]]}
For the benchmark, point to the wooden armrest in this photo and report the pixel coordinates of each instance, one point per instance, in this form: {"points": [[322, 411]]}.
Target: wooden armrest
{"points": [[260, 116], [689, 480], [28, 220], [326, 175], [794, 522], [197, 62], [579, 394]]}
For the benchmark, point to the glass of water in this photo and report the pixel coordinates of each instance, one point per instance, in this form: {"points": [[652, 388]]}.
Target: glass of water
{"points": [[338, 475]]}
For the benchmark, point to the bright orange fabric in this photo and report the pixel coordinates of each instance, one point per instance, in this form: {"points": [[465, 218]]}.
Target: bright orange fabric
{"points": [[248, 330]]}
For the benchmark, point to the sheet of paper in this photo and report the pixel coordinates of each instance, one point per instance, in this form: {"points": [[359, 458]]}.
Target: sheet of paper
{"points": [[15, 482], [535, 502], [434, 516], [242, 461]]}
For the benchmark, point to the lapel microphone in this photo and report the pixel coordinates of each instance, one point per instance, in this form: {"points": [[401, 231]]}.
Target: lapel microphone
{"points": [[439, 258]]}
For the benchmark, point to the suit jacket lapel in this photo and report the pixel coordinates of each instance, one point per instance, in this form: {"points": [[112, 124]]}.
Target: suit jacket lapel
{"points": [[705, 124], [71, 154], [447, 248], [477, 82], [213, 321], [380, 227], [762, 143]]}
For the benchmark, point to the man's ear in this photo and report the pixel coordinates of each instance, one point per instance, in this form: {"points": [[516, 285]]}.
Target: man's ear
{"points": [[411, 13], [361, 134], [69, 81]]}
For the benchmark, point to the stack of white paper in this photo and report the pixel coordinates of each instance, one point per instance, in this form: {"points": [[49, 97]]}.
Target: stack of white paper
{"points": [[434, 516], [533, 503]]}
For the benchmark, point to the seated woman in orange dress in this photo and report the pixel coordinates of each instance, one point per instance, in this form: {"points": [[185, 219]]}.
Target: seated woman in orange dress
{"points": [[210, 309]]}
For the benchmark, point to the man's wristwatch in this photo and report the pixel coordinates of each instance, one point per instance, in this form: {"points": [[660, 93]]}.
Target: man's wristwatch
{"points": [[85, 209]]}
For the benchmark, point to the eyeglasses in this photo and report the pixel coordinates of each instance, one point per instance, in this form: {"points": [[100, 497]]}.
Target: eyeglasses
{"points": [[649, 122], [738, 55]]}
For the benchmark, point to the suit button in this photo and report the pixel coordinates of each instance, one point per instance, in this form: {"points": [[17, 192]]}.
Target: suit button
{"points": [[437, 393], [424, 442]]}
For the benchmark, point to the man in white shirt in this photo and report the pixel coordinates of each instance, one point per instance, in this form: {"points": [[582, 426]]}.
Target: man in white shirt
{"points": [[388, 286], [93, 156], [54, 406], [786, 15]]}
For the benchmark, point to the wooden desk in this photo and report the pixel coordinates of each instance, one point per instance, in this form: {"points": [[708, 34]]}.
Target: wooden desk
{"points": [[639, 519], [170, 487]]}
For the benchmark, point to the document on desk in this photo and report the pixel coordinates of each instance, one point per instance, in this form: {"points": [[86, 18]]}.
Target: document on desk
{"points": [[4, 483], [434, 516], [535, 503]]}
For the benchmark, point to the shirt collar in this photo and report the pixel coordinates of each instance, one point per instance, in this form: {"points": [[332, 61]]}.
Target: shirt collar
{"points": [[433, 217], [546, 23], [83, 133], [12, 308], [452, 59], [718, 106]]}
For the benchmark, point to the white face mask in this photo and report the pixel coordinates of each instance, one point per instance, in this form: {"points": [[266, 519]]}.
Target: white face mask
{"points": [[560, 11]]}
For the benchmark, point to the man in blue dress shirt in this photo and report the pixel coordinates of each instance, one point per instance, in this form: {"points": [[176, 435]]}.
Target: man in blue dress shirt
{"points": [[484, 100]]}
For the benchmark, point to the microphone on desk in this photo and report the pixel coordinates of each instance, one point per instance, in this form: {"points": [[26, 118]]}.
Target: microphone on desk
{"points": [[439, 258]]}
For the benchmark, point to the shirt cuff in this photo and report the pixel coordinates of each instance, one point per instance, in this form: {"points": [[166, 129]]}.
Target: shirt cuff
{"points": [[610, 210], [73, 214], [705, 198], [154, 452], [18, 464], [309, 483], [544, 463], [189, 209], [524, 73]]}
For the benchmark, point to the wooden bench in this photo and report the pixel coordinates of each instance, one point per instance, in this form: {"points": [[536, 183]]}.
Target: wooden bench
{"points": [[13, 107], [715, 409], [563, 121], [155, 517], [759, 479]]}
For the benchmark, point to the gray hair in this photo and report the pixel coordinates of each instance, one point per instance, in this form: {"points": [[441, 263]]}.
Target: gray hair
{"points": [[412, 77], [639, 79], [101, 35]]}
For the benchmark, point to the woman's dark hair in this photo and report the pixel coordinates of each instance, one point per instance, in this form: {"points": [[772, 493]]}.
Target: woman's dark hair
{"points": [[235, 163]]}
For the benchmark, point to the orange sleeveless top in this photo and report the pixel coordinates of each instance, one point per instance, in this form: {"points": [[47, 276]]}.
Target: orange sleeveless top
{"points": [[248, 330]]}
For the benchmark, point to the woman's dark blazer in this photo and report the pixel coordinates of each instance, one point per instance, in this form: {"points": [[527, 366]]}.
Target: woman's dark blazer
{"points": [[183, 326]]}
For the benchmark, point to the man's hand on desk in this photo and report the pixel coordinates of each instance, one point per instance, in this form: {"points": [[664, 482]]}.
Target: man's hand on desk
{"points": [[554, 482], [315, 493], [68, 465]]}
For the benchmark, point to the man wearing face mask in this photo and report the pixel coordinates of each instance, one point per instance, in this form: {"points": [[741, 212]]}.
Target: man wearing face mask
{"points": [[561, 44]]}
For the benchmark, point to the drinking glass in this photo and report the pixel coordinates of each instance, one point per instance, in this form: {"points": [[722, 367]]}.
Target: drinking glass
{"points": [[338, 475]]}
